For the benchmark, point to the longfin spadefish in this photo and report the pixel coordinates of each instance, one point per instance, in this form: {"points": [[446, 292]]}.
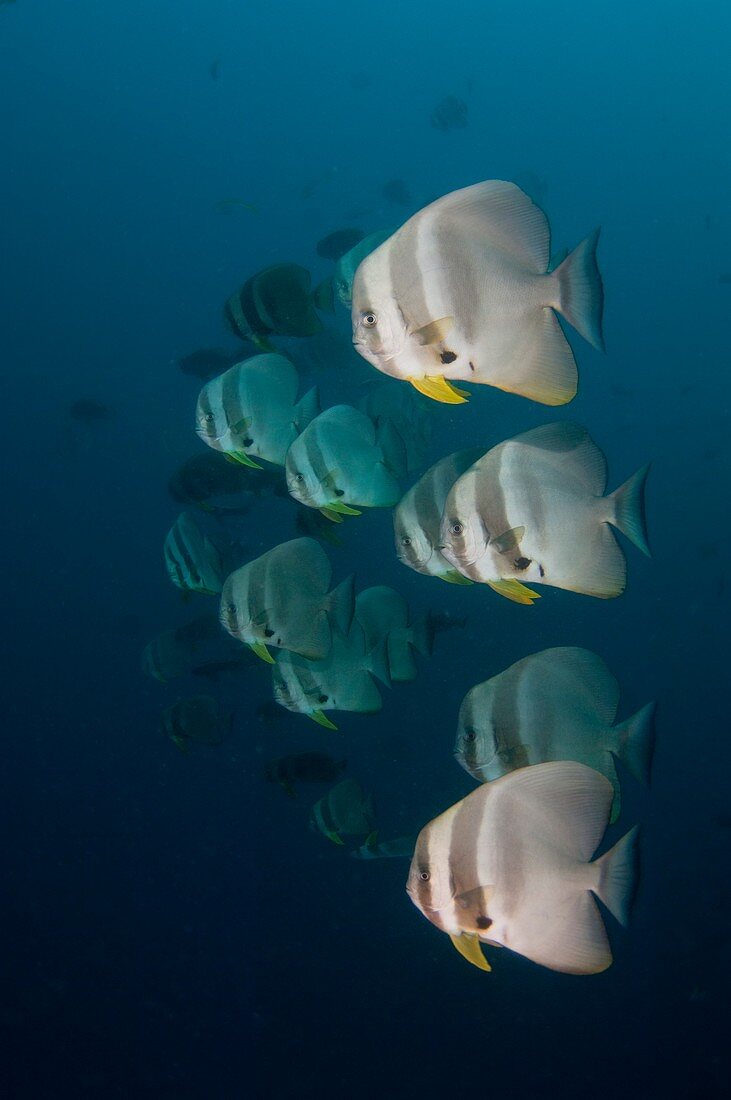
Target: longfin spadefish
{"points": [[433, 332], [322, 719], [261, 651], [469, 948], [515, 591], [438, 388]]}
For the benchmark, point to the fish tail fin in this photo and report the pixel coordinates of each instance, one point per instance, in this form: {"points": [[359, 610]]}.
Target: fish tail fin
{"points": [[581, 293], [307, 409], [636, 742], [377, 662], [629, 509], [617, 870], [341, 604]]}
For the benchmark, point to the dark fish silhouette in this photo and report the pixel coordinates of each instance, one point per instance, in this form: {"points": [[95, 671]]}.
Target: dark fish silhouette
{"points": [[397, 192], [449, 114], [278, 300], [336, 244], [206, 363], [89, 411], [304, 767], [209, 474]]}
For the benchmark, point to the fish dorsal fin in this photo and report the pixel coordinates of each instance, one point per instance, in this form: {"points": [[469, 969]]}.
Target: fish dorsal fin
{"points": [[515, 591], [469, 948], [438, 388], [433, 332], [577, 677], [508, 541], [577, 449], [501, 215]]}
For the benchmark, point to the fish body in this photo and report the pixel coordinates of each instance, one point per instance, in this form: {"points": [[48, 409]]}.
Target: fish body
{"points": [[509, 866], [304, 767], [202, 478], [282, 599], [344, 811], [400, 847], [450, 113], [89, 411], [349, 262], [196, 719], [164, 657], [337, 243], [252, 411], [559, 704], [407, 412], [533, 510], [462, 292], [277, 300], [383, 613], [193, 562], [342, 460]]}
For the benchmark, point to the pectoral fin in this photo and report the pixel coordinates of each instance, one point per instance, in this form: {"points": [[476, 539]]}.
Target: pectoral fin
{"points": [[515, 591], [322, 719], [434, 332], [261, 651], [438, 388], [469, 948], [504, 543], [453, 577]]}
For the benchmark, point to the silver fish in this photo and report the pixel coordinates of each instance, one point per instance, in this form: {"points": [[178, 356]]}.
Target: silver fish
{"points": [[192, 561]]}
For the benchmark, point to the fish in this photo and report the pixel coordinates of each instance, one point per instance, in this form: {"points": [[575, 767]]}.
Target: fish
{"points": [[206, 476], [509, 866], [418, 515], [384, 613], [462, 292], [193, 562], [348, 264], [450, 113], [533, 509], [408, 413], [214, 69], [336, 244], [212, 670], [196, 719], [441, 621], [89, 411], [317, 526], [344, 811], [304, 767], [559, 704], [397, 192], [341, 462], [164, 658], [277, 299], [231, 206], [252, 410], [206, 363], [341, 681], [400, 847], [282, 599]]}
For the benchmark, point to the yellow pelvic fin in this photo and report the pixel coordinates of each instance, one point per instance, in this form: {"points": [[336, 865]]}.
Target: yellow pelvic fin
{"points": [[335, 838], [261, 651], [453, 577], [334, 517], [469, 948], [242, 459], [434, 332], [322, 719], [438, 388], [261, 342], [515, 591], [343, 509]]}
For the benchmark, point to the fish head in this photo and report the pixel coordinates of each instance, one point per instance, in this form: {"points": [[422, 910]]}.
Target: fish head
{"points": [[476, 744], [380, 332], [208, 425], [233, 614], [302, 481], [463, 537], [413, 546], [430, 884]]}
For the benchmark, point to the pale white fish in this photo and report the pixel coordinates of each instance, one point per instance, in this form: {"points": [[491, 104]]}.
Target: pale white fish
{"points": [[283, 599], [533, 510], [384, 614], [344, 811], [341, 462], [509, 866], [418, 516], [192, 561], [251, 410], [559, 704], [462, 292]]}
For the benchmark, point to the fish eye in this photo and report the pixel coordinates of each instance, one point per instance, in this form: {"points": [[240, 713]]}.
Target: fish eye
{"points": [[456, 528], [470, 735], [424, 876], [209, 418], [231, 608], [299, 477], [406, 541], [369, 319]]}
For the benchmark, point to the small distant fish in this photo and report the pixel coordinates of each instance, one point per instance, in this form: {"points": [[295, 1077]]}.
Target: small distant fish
{"points": [[197, 719], [205, 476], [232, 206], [449, 114], [509, 865], [304, 767], [533, 509], [193, 562], [344, 811], [316, 526], [440, 621], [336, 244], [206, 363], [384, 613], [397, 192], [252, 410], [341, 462], [462, 292], [401, 847], [214, 69], [212, 670], [275, 300], [89, 411]]}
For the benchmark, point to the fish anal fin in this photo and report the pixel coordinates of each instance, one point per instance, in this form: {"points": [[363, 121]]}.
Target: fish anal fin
{"points": [[469, 948], [439, 389], [322, 719], [515, 591]]}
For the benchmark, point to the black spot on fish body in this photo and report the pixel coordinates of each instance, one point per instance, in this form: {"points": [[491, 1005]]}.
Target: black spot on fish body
{"points": [[541, 570], [483, 922], [268, 633], [340, 492], [522, 563], [472, 366], [447, 356]]}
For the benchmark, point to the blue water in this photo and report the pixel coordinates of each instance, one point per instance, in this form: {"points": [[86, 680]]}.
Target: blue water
{"points": [[170, 926]]}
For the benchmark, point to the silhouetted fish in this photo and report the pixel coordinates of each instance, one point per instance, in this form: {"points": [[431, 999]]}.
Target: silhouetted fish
{"points": [[89, 411]]}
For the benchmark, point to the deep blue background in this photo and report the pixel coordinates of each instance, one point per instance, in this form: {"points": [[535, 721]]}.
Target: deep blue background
{"points": [[170, 926]]}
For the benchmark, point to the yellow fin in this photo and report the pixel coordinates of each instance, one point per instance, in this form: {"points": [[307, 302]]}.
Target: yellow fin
{"points": [[343, 509], [335, 838], [322, 719], [261, 651], [515, 591], [328, 513], [453, 577], [438, 388], [434, 332], [469, 948], [243, 460]]}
